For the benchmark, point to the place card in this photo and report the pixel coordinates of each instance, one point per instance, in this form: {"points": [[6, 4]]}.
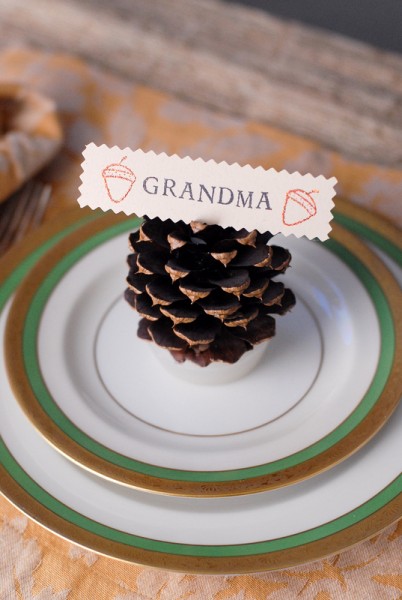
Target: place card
{"points": [[170, 187]]}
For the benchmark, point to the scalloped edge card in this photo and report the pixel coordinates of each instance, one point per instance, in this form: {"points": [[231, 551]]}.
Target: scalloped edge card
{"points": [[170, 187]]}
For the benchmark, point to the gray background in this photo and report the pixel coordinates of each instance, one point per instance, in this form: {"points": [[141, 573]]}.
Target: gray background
{"points": [[378, 22]]}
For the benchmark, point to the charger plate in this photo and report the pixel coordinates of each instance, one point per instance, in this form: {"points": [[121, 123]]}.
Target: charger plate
{"points": [[271, 530], [326, 385]]}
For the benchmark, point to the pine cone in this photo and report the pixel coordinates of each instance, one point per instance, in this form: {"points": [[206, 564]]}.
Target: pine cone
{"points": [[204, 292]]}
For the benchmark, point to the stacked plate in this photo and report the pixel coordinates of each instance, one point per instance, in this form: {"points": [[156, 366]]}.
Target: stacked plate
{"points": [[104, 446]]}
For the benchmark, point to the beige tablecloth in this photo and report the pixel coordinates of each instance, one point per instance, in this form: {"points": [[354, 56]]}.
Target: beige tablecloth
{"points": [[96, 107]]}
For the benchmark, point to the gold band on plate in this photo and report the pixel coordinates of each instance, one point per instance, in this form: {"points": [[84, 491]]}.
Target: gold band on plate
{"points": [[339, 451], [374, 221], [254, 563], [199, 564]]}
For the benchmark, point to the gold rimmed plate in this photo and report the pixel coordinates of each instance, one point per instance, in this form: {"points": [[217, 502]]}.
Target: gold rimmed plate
{"points": [[271, 530], [327, 383]]}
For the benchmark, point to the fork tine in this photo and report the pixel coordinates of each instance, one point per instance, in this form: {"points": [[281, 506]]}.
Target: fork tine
{"points": [[20, 206], [42, 205], [36, 205], [23, 209], [22, 212], [5, 217]]}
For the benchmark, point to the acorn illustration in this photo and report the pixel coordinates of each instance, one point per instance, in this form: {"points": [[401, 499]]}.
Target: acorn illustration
{"points": [[299, 207], [119, 179]]}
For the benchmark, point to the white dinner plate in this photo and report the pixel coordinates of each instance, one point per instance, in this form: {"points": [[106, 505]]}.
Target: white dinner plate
{"points": [[325, 385], [257, 532]]}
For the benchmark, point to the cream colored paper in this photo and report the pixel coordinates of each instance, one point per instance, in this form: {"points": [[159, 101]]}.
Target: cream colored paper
{"points": [[170, 187]]}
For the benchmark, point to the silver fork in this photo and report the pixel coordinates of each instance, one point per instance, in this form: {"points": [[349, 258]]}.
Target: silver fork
{"points": [[22, 211]]}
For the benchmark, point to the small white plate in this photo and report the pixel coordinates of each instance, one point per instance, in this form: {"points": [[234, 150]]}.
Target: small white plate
{"points": [[97, 393], [275, 529]]}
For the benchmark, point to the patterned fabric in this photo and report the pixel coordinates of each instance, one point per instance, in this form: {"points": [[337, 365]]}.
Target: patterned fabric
{"points": [[36, 565], [31, 135], [97, 107]]}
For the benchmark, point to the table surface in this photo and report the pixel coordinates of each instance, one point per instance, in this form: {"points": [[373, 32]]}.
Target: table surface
{"points": [[343, 93], [233, 84]]}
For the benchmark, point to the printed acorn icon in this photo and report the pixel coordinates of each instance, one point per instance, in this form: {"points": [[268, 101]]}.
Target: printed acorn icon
{"points": [[119, 180], [204, 292], [299, 207]]}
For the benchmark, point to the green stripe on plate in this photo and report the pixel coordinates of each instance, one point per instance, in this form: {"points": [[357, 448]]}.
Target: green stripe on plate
{"points": [[40, 495], [30, 334], [231, 550], [12, 282], [373, 236]]}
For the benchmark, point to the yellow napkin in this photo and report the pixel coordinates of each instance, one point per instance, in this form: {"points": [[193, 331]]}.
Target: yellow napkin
{"points": [[30, 135]]}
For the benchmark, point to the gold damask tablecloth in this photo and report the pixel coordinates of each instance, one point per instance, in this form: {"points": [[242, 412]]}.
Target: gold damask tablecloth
{"points": [[98, 107]]}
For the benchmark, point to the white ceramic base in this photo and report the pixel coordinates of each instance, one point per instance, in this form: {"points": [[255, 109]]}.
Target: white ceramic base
{"points": [[217, 373]]}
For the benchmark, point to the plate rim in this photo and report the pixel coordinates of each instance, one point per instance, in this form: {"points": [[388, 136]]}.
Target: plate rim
{"points": [[389, 513], [172, 480], [54, 516], [372, 226]]}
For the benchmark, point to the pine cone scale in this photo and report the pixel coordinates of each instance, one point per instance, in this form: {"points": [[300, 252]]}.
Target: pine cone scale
{"points": [[273, 294]]}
